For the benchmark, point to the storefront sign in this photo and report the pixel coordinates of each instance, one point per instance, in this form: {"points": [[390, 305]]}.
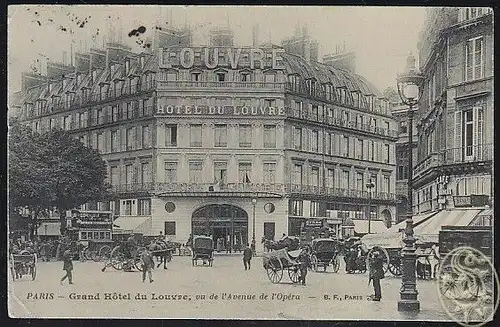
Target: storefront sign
{"points": [[470, 200], [211, 57], [219, 110]]}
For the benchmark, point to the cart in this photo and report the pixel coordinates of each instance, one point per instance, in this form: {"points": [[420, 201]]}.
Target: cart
{"points": [[23, 264], [120, 259], [276, 262], [325, 252], [98, 250], [203, 249]]}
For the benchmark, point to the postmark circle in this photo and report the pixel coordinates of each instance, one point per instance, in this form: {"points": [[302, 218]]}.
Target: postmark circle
{"points": [[466, 284]]}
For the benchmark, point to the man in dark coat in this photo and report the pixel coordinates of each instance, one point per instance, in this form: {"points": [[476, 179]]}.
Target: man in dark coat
{"points": [[305, 262], [247, 256], [131, 245], [147, 264], [67, 266], [376, 272]]}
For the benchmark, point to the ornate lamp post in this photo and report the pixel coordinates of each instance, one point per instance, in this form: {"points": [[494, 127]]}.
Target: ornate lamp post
{"points": [[369, 186], [254, 202], [409, 89]]}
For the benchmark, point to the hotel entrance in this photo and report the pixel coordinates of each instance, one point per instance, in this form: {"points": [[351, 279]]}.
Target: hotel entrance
{"points": [[225, 223]]}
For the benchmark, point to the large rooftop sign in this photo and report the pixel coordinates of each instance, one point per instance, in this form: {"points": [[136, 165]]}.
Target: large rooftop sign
{"points": [[212, 58], [182, 110]]}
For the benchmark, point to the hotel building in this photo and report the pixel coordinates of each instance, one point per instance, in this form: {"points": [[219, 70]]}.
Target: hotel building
{"points": [[245, 142]]}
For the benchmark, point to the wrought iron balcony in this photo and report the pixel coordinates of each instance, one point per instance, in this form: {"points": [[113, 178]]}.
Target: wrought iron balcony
{"points": [[431, 161], [225, 84]]}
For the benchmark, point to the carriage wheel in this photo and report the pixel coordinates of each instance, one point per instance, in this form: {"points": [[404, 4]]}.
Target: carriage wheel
{"points": [[395, 268], [86, 254], [274, 271], [137, 264], [117, 257], [105, 252], [336, 264], [314, 263], [33, 271], [294, 274], [385, 263]]}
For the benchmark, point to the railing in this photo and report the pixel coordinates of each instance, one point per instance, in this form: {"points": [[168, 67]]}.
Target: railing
{"points": [[250, 187], [475, 153], [225, 84]]}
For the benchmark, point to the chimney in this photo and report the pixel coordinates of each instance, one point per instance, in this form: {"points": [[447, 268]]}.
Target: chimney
{"points": [[255, 36]]}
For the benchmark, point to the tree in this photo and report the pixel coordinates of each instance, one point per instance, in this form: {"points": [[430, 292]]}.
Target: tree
{"points": [[53, 170], [77, 173]]}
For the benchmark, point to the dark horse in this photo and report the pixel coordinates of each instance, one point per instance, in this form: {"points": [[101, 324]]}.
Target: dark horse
{"points": [[291, 243], [162, 252]]}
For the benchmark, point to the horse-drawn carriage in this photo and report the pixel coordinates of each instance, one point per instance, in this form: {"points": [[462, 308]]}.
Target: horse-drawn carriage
{"points": [[98, 250], [23, 264], [325, 252], [355, 255], [203, 249], [275, 262], [292, 243]]}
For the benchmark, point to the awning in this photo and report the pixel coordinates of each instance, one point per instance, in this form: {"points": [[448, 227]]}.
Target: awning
{"points": [[387, 240], [445, 218], [49, 229], [376, 226], [134, 224], [417, 220]]}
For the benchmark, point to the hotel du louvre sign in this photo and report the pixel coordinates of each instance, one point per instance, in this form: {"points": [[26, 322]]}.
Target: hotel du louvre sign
{"points": [[183, 110], [212, 58]]}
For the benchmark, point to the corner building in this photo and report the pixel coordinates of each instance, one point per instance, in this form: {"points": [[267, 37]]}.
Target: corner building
{"points": [[234, 142]]}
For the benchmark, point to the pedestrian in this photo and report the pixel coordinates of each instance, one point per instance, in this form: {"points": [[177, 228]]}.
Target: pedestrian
{"points": [[376, 272], [247, 257], [67, 266], [147, 265], [305, 262]]}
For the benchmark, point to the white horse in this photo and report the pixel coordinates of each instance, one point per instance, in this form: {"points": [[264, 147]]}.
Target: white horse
{"points": [[428, 262]]}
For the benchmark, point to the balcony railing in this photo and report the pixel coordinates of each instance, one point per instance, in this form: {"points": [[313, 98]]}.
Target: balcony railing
{"points": [[225, 84], [250, 187], [475, 153]]}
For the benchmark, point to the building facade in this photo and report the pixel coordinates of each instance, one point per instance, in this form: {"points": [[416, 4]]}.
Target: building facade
{"points": [[455, 129], [238, 143]]}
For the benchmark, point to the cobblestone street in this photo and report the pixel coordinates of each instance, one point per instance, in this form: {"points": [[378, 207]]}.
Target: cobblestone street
{"points": [[348, 294]]}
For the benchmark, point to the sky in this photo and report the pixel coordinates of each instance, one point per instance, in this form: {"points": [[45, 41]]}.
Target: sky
{"points": [[381, 37]]}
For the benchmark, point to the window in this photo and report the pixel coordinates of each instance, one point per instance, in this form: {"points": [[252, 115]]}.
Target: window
{"points": [[220, 172], [371, 151], [146, 172], [220, 135], [359, 149], [345, 146], [315, 141], [245, 136], [474, 59], [387, 184], [82, 120], [128, 207], [99, 116], [129, 174], [269, 78], [195, 133], [114, 113], [314, 209], [195, 171], [146, 137], [297, 174], [472, 13], [329, 143], [130, 138], [387, 153], [115, 141], [297, 207], [373, 179], [244, 172], [171, 77], [360, 185], [221, 77], [269, 136], [314, 176], [269, 174], [144, 207], [403, 127], [170, 172], [245, 77], [101, 142], [329, 178], [196, 77], [344, 179], [170, 228], [297, 138], [171, 135], [52, 123], [115, 175], [402, 172]]}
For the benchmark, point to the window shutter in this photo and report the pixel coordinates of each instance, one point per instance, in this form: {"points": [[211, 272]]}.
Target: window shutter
{"points": [[478, 58], [458, 148], [477, 140]]}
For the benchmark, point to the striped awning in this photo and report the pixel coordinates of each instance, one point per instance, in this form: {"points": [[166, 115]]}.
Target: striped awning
{"points": [[417, 220], [376, 226], [136, 224], [446, 218]]}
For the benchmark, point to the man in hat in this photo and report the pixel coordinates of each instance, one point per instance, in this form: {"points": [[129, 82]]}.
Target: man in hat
{"points": [[376, 272], [67, 266], [305, 262], [247, 256], [147, 264]]}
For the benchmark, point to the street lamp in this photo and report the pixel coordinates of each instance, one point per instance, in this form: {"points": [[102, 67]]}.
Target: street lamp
{"points": [[369, 186], [254, 202], [410, 90]]}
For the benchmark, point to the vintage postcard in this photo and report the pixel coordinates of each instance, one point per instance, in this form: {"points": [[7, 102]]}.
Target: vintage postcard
{"points": [[239, 162]]}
